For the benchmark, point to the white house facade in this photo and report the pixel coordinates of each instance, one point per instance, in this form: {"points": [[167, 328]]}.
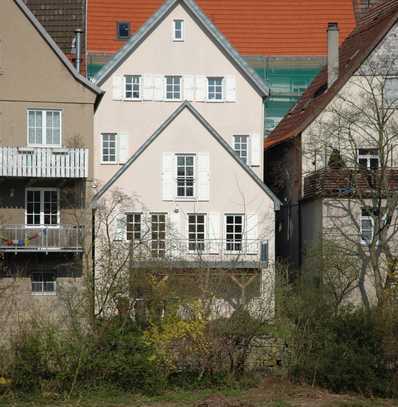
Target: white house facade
{"points": [[180, 128]]}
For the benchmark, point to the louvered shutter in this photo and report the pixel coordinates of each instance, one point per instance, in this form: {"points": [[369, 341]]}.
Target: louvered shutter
{"points": [[203, 177], [201, 88], [117, 87], [158, 87], [169, 177], [175, 234], [255, 147], [189, 87], [251, 234], [123, 148], [148, 87], [214, 233], [120, 227], [230, 88]]}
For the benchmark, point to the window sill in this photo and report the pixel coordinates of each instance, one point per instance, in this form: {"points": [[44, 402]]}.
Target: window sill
{"points": [[110, 163], [45, 294]]}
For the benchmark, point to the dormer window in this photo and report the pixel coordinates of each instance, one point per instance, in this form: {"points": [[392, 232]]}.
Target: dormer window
{"points": [[123, 30], [178, 30]]}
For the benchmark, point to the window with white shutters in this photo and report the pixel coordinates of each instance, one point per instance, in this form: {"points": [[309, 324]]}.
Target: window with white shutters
{"points": [[241, 148], [185, 175], [132, 89], [215, 90], [173, 87], [109, 148]]}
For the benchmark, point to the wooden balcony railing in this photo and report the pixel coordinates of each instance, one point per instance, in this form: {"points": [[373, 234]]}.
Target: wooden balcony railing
{"points": [[46, 162], [25, 238], [348, 182]]}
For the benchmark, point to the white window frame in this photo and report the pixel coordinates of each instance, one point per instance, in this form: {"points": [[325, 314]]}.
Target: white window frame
{"points": [[42, 191], [125, 97], [226, 233], [368, 157], [44, 127], [186, 177], [43, 281], [173, 99], [366, 218], [195, 233], [209, 78], [239, 151], [134, 223], [158, 252], [175, 38], [116, 148]]}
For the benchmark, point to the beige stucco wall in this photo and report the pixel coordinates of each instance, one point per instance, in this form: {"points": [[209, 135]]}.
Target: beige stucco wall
{"points": [[158, 54], [232, 190]]}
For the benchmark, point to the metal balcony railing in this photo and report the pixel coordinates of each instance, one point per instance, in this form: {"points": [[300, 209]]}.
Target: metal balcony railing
{"points": [[46, 162], [222, 252], [25, 238]]}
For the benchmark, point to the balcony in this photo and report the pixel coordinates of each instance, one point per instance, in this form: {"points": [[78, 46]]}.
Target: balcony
{"points": [[41, 239], [349, 182], [45, 162], [207, 253]]}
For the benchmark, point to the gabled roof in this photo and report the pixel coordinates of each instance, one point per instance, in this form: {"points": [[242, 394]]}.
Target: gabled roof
{"points": [[25, 10], [371, 30], [204, 23], [212, 131], [253, 27]]}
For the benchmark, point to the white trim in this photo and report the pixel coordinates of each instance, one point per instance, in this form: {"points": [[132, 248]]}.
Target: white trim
{"points": [[175, 39], [102, 162], [44, 127], [42, 224]]}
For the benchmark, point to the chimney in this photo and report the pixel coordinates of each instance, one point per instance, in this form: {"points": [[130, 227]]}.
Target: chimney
{"points": [[333, 53], [78, 46]]}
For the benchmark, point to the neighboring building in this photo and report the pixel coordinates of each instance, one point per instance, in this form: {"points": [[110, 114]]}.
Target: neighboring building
{"points": [[181, 132], [284, 41], [61, 19], [309, 163], [46, 127]]}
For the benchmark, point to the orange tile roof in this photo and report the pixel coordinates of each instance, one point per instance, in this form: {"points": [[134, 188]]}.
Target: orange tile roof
{"points": [[254, 27], [371, 29]]}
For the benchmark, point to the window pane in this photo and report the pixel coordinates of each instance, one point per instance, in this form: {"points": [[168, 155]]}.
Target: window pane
{"points": [[123, 30]]}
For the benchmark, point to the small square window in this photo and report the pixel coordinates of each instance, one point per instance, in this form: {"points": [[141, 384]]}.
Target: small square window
{"points": [[123, 30], [178, 30], [44, 283], [215, 89]]}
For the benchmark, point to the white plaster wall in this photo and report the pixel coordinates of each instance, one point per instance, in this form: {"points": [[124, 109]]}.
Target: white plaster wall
{"points": [[158, 54]]}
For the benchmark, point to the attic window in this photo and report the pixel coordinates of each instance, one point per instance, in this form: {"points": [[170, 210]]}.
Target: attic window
{"points": [[123, 30]]}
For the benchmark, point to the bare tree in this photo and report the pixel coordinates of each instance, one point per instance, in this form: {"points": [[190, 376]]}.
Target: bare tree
{"points": [[356, 138]]}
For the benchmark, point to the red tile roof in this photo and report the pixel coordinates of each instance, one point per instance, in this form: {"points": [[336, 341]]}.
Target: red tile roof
{"points": [[254, 27], [371, 29]]}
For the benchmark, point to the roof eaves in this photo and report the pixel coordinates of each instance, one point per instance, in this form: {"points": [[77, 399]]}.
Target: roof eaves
{"points": [[153, 21], [35, 22], [154, 136]]}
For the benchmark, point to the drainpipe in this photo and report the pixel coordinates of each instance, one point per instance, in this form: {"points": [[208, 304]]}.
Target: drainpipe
{"points": [[78, 33], [333, 53]]}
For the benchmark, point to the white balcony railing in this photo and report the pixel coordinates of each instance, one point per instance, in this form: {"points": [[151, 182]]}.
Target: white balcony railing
{"points": [[234, 253], [23, 238], [46, 162]]}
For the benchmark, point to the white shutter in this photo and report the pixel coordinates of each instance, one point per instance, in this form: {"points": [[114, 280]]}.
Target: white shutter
{"points": [[147, 87], [201, 88], [158, 87], [203, 177], [230, 88], [251, 234], [120, 226], [174, 235], [189, 87], [117, 87], [213, 233], [255, 147], [123, 148], [168, 177]]}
